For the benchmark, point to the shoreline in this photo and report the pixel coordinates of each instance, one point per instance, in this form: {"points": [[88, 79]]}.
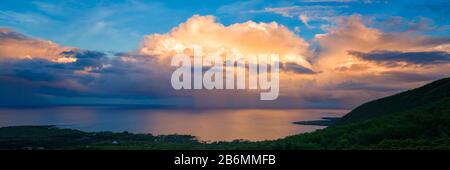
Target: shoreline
{"points": [[324, 121]]}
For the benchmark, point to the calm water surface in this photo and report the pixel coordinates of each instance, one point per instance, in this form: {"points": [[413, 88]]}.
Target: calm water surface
{"points": [[207, 125]]}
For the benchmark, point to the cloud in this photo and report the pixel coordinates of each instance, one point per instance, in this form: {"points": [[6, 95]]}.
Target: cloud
{"points": [[351, 34], [34, 70], [23, 18], [362, 66], [86, 58], [306, 13], [417, 24], [305, 20], [205, 33], [343, 67], [296, 68], [93, 78], [14, 45], [54, 74], [393, 57], [284, 11], [212, 37]]}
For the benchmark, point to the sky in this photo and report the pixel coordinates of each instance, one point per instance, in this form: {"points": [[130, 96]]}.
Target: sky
{"points": [[334, 53]]}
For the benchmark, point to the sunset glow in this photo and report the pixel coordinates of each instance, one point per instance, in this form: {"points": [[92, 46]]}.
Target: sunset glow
{"points": [[328, 57]]}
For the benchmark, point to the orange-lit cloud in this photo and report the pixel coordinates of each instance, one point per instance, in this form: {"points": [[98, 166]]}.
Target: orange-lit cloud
{"points": [[340, 66], [212, 37], [14, 45], [351, 35]]}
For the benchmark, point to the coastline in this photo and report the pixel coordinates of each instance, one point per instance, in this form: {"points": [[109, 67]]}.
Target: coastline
{"points": [[324, 121]]}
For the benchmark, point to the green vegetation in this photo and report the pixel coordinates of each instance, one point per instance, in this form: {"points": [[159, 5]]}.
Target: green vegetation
{"points": [[425, 127], [416, 119], [427, 94]]}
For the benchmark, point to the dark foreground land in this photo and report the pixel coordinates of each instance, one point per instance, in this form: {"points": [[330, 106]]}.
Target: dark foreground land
{"points": [[415, 119]]}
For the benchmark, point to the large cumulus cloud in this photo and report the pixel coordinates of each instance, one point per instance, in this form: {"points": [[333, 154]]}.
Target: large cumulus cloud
{"points": [[206, 33], [348, 65]]}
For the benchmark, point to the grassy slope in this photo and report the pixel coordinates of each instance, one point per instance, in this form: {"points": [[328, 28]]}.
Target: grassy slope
{"points": [[416, 119]]}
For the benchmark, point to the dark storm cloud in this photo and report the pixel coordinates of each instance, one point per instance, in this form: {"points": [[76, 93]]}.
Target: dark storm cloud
{"points": [[435, 41], [392, 57], [9, 34], [34, 70], [293, 67], [93, 75], [86, 58], [45, 70], [43, 77]]}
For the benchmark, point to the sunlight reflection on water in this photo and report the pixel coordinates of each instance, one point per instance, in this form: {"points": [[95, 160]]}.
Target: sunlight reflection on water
{"points": [[207, 124]]}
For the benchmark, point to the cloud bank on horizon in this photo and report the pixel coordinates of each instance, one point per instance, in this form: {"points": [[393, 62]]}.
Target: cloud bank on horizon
{"points": [[345, 60]]}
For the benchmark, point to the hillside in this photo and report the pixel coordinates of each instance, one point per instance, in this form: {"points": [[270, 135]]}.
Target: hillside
{"points": [[423, 127], [426, 94]]}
